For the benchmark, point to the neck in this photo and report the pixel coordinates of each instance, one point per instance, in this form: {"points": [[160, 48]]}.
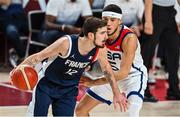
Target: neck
{"points": [[85, 45]]}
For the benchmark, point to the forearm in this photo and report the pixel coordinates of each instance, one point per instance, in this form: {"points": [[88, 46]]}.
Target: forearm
{"points": [[112, 81], [5, 2], [54, 26], [63, 28], [106, 68], [148, 10], [32, 60]]}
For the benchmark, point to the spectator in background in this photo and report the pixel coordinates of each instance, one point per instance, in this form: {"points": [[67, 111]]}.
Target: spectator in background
{"points": [[97, 4], [179, 2], [132, 10], [97, 7], [177, 17], [30, 5], [17, 26], [161, 46], [160, 27], [132, 13], [5, 2], [62, 16], [3, 6]]}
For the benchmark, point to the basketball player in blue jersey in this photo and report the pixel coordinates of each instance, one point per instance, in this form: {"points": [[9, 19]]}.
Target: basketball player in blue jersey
{"points": [[126, 61], [63, 64]]}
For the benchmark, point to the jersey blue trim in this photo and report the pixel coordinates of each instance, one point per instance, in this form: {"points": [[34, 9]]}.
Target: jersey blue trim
{"points": [[137, 92], [91, 93]]}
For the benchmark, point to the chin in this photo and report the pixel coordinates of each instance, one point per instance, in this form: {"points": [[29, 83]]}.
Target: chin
{"points": [[110, 34], [109, 31]]}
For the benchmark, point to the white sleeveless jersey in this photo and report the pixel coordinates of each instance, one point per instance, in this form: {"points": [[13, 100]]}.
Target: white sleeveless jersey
{"points": [[115, 54]]}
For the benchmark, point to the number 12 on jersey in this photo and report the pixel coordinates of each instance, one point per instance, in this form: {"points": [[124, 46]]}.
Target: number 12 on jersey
{"points": [[71, 71]]}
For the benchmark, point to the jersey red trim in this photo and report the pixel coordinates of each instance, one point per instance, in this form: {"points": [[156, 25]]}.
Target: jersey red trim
{"points": [[116, 45], [95, 56]]}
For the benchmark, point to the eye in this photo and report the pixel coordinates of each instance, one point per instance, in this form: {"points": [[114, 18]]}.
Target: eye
{"points": [[103, 32], [112, 19], [105, 19]]}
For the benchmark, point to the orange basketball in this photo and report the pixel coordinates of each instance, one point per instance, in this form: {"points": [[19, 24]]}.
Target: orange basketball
{"points": [[24, 78]]}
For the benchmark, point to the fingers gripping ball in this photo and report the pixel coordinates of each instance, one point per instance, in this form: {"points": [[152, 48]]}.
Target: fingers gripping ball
{"points": [[24, 78]]}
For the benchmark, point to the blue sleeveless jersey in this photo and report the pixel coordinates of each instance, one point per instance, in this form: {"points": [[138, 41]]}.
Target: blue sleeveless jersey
{"points": [[66, 71]]}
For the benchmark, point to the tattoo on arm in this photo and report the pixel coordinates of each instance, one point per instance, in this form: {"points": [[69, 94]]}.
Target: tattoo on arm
{"points": [[108, 77]]}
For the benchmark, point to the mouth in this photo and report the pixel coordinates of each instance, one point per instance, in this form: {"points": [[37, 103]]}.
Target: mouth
{"points": [[108, 30]]}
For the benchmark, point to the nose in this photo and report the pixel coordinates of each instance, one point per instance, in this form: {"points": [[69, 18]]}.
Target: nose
{"points": [[108, 22]]}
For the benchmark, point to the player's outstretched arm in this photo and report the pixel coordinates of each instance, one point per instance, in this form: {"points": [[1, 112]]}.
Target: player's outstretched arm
{"points": [[118, 97], [60, 46]]}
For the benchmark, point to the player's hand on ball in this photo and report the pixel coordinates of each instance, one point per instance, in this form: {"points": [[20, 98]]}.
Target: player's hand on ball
{"points": [[24, 77]]}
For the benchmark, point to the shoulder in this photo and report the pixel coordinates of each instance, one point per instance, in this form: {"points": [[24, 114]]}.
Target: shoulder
{"points": [[130, 41], [64, 44], [131, 37], [128, 33], [64, 41]]}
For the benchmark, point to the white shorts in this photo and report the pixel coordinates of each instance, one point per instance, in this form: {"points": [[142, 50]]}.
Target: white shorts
{"points": [[132, 85]]}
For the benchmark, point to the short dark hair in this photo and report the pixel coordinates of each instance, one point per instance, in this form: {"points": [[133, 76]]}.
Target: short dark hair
{"points": [[92, 24], [113, 8]]}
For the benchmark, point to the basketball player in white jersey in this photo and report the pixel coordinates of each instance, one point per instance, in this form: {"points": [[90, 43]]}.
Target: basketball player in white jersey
{"points": [[126, 61]]}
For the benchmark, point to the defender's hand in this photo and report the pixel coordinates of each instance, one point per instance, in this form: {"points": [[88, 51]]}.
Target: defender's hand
{"points": [[120, 98]]}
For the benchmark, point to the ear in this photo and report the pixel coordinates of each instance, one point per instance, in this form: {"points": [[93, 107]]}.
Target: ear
{"points": [[91, 35]]}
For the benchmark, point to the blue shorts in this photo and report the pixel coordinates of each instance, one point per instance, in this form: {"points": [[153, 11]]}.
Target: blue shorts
{"points": [[62, 99]]}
